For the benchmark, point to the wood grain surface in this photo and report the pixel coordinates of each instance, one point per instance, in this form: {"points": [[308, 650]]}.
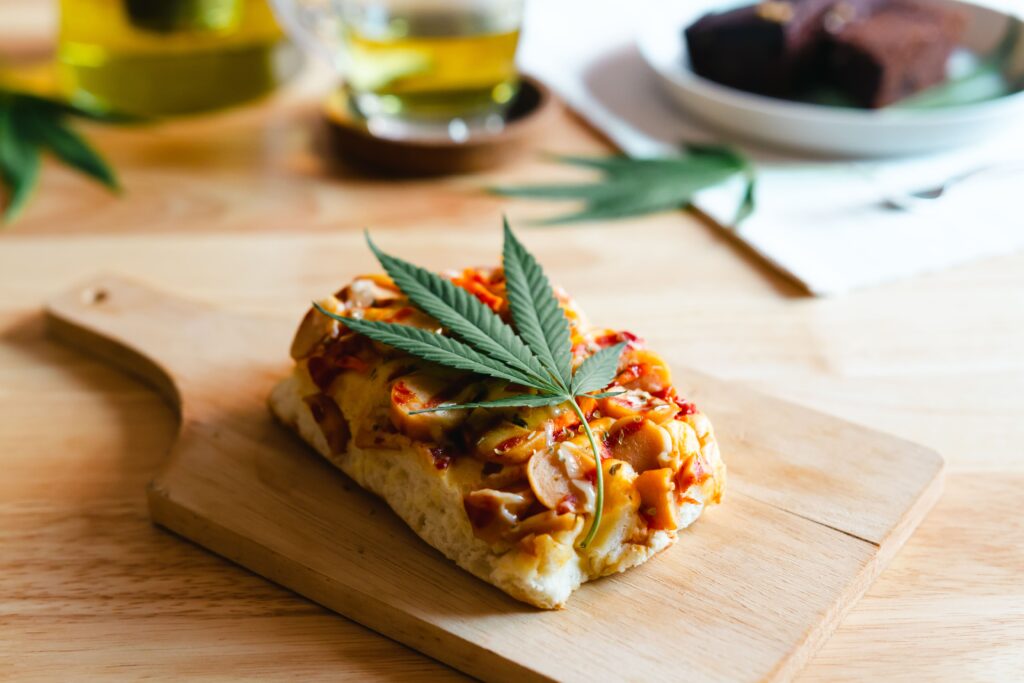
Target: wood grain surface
{"points": [[89, 588], [756, 587]]}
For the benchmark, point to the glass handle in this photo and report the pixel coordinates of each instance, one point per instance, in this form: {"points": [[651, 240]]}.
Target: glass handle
{"points": [[315, 26]]}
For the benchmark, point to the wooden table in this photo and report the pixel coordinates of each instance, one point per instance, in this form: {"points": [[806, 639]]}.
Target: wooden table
{"points": [[239, 209]]}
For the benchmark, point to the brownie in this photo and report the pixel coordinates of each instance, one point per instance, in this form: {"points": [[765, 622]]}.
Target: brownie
{"points": [[897, 51], [772, 48]]}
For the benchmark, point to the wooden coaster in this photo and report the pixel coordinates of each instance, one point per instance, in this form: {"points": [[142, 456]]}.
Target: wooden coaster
{"points": [[350, 139]]}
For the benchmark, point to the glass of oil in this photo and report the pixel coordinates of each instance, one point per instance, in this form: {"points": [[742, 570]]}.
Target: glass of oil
{"points": [[423, 68], [168, 57]]}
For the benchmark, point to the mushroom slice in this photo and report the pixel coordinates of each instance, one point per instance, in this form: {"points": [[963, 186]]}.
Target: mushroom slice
{"points": [[638, 403], [332, 423], [500, 476], [639, 442], [369, 290], [492, 512], [643, 369], [547, 522], [420, 391], [655, 488], [558, 479], [314, 329], [510, 444]]}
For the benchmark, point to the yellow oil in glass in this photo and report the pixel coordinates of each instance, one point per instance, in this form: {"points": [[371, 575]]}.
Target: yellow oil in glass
{"points": [[165, 57], [431, 64]]}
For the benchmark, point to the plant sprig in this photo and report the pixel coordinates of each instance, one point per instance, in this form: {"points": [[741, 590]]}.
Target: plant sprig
{"points": [[29, 125], [633, 187], [536, 353]]}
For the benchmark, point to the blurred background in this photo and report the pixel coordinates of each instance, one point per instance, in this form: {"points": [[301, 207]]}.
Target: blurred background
{"points": [[227, 168]]}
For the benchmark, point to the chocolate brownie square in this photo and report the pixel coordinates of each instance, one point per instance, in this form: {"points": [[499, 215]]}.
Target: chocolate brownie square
{"points": [[772, 48], [899, 50]]}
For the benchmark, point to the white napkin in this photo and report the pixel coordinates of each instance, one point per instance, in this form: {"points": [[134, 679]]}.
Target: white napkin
{"points": [[822, 222]]}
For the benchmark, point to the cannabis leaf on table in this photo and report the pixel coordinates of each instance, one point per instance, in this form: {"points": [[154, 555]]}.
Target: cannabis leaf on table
{"points": [[633, 187], [535, 354], [30, 125]]}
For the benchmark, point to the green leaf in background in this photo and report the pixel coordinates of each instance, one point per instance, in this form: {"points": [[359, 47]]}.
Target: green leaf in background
{"points": [[72, 149], [988, 80], [634, 187], [30, 124], [81, 111], [19, 160]]}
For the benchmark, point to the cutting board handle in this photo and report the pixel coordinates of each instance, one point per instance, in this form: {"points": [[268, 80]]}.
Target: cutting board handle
{"points": [[130, 326], [179, 347]]}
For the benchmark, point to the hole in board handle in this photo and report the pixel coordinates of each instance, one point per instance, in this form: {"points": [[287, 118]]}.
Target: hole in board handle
{"points": [[94, 296]]}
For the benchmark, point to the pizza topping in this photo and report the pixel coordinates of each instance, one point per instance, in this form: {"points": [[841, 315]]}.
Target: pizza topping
{"points": [[490, 293], [487, 507], [613, 338], [421, 391], [693, 471], [313, 331], [332, 423], [547, 522], [655, 488], [643, 369], [549, 478], [509, 443], [685, 407], [503, 476], [639, 442], [636, 403], [538, 474], [442, 459], [602, 339], [559, 479], [368, 291]]}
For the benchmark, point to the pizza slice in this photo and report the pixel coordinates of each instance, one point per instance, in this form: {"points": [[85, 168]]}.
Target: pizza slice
{"points": [[507, 492]]}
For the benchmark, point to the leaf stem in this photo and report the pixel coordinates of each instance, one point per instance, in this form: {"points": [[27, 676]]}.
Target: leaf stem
{"points": [[599, 502]]}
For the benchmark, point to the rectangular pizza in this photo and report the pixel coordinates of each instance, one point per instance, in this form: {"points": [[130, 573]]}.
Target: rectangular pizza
{"points": [[508, 492]]}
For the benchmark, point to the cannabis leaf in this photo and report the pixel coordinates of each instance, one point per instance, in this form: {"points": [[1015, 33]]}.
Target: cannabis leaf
{"points": [[466, 316], [436, 348], [535, 310], [520, 401], [593, 372], [632, 187], [30, 124], [536, 354]]}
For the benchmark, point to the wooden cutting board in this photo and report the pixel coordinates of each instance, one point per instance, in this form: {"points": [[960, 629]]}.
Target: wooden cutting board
{"points": [[815, 507]]}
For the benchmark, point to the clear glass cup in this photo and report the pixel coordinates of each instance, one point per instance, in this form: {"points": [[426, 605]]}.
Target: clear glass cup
{"points": [[416, 68]]}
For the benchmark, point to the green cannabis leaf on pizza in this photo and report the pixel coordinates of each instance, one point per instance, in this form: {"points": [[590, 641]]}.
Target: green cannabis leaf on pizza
{"points": [[535, 353]]}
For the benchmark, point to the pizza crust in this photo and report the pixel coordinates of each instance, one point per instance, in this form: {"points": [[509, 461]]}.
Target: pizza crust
{"points": [[430, 502]]}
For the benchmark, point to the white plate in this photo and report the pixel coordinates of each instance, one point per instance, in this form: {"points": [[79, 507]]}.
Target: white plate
{"points": [[818, 128]]}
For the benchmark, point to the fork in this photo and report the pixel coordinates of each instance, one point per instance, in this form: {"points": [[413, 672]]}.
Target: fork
{"points": [[927, 196]]}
